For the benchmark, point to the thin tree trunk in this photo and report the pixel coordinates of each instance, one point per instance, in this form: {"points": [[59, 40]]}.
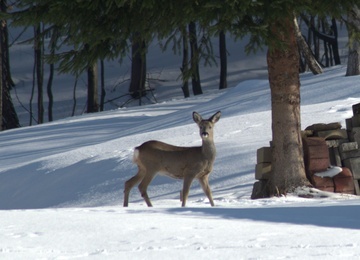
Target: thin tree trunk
{"points": [[326, 49], [306, 51], [223, 60], [332, 40], [102, 82], [334, 43], [39, 72], [9, 118], [195, 74], [92, 104], [353, 27], [315, 39], [288, 169], [185, 64], [32, 92], [138, 68], [50, 93], [2, 24], [53, 41], [74, 96]]}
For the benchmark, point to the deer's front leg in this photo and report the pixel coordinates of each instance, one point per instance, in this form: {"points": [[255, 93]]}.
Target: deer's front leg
{"points": [[186, 187], [204, 181]]}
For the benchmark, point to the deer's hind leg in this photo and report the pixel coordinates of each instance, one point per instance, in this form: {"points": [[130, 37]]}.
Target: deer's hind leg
{"points": [[129, 184], [143, 186]]}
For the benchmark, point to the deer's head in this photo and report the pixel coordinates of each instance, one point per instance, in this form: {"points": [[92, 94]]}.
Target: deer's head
{"points": [[206, 126]]}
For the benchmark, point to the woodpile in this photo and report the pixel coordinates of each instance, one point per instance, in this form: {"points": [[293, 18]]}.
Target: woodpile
{"points": [[326, 147]]}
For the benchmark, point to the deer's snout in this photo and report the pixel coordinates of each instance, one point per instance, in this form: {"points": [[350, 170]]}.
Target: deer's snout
{"points": [[205, 134]]}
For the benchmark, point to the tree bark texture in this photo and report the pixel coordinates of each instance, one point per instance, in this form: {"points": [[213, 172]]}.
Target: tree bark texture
{"points": [[353, 27], [288, 170]]}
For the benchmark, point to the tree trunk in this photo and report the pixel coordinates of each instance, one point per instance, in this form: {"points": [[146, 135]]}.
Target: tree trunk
{"points": [[195, 74], [332, 40], [8, 116], [39, 72], [74, 96], [2, 25], [288, 170], [223, 60], [102, 80], [326, 49], [49, 85], [53, 41], [306, 51], [138, 68], [50, 93], [92, 104], [353, 27], [185, 64], [315, 39], [334, 43]]}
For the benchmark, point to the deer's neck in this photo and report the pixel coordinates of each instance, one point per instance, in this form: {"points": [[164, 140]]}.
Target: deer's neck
{"points": [[208, 149]]}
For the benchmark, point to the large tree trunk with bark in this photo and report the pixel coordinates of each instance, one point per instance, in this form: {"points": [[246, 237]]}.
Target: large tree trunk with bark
{"points": [[288, 170], [353, 27]]}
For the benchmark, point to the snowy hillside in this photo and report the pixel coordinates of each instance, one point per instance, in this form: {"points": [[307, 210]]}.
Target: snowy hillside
{"points": [[62, 184]]}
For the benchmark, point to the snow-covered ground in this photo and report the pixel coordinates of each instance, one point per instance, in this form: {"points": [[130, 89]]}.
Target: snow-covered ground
{"points": [[61, 183]]}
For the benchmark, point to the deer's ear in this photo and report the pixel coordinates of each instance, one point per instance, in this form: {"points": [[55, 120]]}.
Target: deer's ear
{"points": [[215, 117], [197, 118]]}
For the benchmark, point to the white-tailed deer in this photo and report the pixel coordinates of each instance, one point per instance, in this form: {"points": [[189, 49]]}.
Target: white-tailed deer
{"points": [[186, 163]]}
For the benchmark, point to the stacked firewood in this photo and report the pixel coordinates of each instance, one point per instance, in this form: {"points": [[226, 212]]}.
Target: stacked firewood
{"points": [[342, 152]]}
